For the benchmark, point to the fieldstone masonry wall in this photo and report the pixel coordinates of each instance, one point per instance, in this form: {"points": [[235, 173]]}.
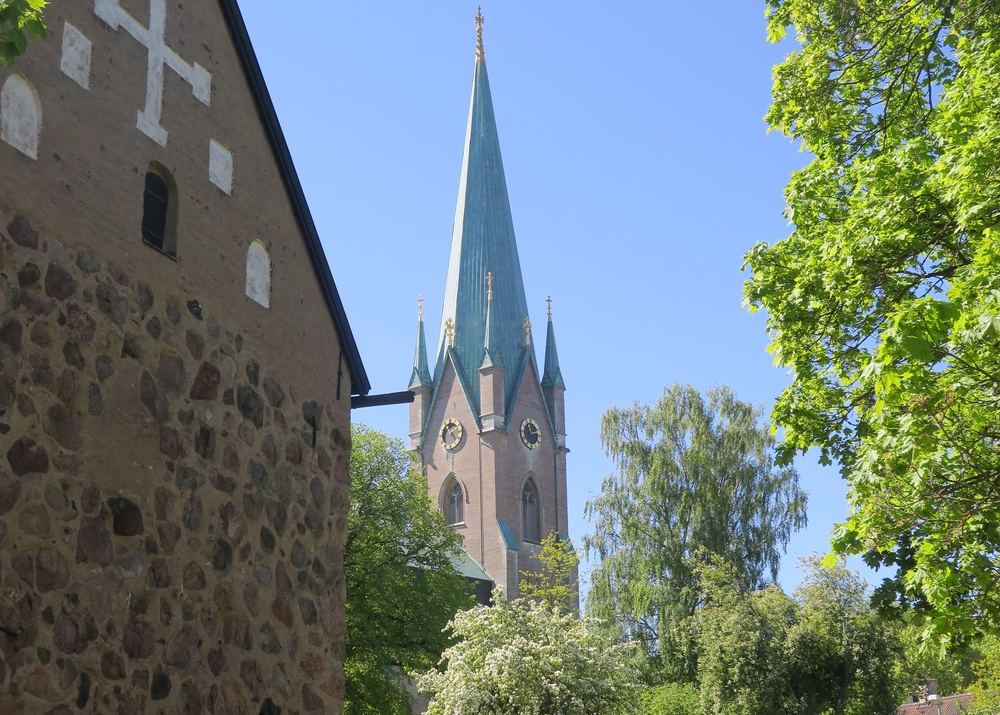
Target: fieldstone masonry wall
{"points": [[172, 513]]}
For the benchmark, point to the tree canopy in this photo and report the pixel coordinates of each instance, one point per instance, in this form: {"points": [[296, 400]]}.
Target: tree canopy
{"points": [[521, 658], [19, 19], [554, 582], [402, 585], [885, 298], [825, 651], [694, 477]]}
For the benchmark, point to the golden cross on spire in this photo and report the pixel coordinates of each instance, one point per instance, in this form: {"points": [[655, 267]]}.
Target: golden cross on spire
{"points": [[420, 307], [449, 331], [527, 332], [549, 301], [489, 286], [480, 54]]}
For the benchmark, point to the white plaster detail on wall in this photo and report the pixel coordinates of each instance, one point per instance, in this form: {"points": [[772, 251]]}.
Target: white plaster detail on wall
{"points": [[259, 274], [220, 166], [76, 51], [160, 56], [20, 115]]}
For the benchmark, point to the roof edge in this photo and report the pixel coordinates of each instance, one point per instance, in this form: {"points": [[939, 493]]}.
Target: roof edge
{"points": [[265, 107]]}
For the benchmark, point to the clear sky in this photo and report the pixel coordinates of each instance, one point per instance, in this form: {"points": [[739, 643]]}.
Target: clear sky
{"points": [[639, 171]]}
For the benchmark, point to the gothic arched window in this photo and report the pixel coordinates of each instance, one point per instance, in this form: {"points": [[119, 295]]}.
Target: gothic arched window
{"points": [[454, 502], [530, 512]]}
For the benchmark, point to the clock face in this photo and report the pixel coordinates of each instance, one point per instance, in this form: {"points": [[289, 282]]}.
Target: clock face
{"points": [[530, 434], [451, 434]]}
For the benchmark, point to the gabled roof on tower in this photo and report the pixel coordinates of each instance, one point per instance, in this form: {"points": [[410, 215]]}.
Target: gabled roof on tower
{"points": [[483, 242]]}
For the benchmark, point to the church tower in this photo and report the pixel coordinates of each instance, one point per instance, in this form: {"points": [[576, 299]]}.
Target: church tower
{"points": [[489, 426]]}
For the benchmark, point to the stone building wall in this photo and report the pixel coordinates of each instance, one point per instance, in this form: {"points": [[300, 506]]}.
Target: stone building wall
{"points": [[172, 505]]}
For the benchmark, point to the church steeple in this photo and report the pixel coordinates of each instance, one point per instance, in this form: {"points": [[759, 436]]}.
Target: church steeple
{"points": [[421, 376], [483, 242], [553, 375], [491, 427]]}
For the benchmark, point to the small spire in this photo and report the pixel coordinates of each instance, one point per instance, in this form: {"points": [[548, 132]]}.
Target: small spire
{"points": [[480, 54], [449, 330], [527, 332], [420, 309], [552, 377], [491, 351], [549, 301], [420, 377]]}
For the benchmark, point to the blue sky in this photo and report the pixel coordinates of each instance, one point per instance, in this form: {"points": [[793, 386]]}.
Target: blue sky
{"points": [[639, 171]]}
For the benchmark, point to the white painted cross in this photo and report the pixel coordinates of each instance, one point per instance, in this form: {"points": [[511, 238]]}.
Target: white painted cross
{"points": [[160, 56]]}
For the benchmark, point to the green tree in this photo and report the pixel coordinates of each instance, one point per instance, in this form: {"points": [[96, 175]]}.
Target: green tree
{"points": [[824, 652], [554, 582], [520, 658], [955, 671], [402, 584], [885, 299], [841, 654], [19, 19], [741, 634], [670, 699], [694, 477]]}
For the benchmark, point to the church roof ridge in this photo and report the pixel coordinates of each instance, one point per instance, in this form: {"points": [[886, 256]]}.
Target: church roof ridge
{"points": [[360, 384]]}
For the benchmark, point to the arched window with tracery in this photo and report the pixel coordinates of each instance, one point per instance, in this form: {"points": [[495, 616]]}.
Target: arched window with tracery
{"points": [[454, 502], [531, 513]]}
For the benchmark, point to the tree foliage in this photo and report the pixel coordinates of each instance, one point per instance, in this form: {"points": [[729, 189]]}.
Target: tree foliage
{"points": [[521, 658], [19, 19], [694, 477], [885, 299], [402, 585], [823, 651], [554, 582]]}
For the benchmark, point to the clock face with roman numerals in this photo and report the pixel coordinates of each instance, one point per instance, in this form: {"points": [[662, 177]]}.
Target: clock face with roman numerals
{"points": [[530, 434], [451, 434]]}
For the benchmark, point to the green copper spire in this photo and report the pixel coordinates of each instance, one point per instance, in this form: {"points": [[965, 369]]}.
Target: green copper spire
{"points": [[553, 375], [483, 242], [421, 376]]}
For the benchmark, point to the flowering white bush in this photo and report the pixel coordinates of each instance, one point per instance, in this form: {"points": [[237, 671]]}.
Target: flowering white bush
{"points": [[519, 658]]}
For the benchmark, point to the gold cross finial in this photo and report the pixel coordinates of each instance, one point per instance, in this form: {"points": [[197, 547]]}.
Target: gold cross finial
{"points": [[480, 54], [449, 331], [489, 286], [527, 332], [549, 301], [420, 308]]}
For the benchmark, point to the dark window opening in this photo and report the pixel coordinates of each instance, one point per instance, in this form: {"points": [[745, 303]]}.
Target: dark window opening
{"points": [[159, 211], [453, 507], [530, 513], [154, 210]]}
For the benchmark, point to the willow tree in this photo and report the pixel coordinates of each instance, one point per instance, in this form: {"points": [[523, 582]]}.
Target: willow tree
{"points": [[694, 477], [884, 300]]}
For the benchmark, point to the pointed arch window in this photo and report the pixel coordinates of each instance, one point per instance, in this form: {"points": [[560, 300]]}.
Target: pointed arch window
{"points": [[454, 502], [531, 521]]}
